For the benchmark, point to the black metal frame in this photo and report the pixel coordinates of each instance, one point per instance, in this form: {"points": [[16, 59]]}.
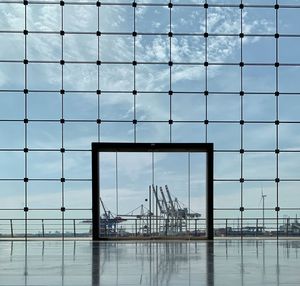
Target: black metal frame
{"points": [[153, 147]]}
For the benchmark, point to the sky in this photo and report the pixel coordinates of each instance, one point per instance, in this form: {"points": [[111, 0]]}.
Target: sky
{"points": [[171, 169], [259, 110]]}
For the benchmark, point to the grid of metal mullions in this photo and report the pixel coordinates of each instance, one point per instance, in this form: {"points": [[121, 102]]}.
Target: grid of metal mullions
{"points": [[211, 93]]}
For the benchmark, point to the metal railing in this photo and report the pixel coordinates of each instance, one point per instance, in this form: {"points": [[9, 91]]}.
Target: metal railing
{"points": [[45, 227], [137, 227]]}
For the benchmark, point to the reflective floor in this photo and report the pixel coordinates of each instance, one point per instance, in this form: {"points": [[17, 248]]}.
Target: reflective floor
{"points": [[222, 262]]}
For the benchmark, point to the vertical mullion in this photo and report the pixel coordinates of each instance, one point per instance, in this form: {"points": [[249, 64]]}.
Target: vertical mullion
{"points": [[117, 190], [62, 128], [241, 125], [98, 75], [25, 126], [189, 189], [170, 69], [134, 72], [153, 169], [206, 71], [277, 120]]}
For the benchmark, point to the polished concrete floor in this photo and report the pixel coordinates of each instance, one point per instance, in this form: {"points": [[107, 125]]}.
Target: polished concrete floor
{"points": [[222, 262]]}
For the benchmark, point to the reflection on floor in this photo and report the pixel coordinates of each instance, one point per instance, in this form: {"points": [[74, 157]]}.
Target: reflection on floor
{"points": [[222, 262]]}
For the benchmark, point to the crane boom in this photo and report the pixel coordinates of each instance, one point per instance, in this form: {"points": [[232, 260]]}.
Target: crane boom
{"points": [[164, 199], [156, 197], [105, 212], [170, 200]]}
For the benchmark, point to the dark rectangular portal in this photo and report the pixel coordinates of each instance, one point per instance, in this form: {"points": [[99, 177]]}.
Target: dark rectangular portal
{"points": [[152, 190]]}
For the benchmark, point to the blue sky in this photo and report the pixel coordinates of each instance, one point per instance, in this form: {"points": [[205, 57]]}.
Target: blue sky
{"points": [[150, 106], [135, 175]]}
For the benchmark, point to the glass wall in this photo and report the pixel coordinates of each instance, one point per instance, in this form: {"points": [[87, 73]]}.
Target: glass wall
{"points": [[76, 72]]}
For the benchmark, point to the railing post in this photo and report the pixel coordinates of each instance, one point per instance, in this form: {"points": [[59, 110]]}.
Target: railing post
{"points": [[43, 228], [167, 225], [226, 227], [11, 228], [150, 210], [257, 227], [74, 227], [135, 227]]}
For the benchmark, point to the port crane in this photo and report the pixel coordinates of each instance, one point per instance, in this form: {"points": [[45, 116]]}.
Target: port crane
{"points": [[173, 214]]}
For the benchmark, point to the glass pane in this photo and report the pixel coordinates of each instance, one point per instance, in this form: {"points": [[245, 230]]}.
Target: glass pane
{"points": [[152, 194]]}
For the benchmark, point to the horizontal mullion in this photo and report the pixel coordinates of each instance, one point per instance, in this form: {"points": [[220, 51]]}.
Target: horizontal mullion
{"points": [[45, 219], [140, 33], [150, 63], [200, 92], [46, 180], [94, 121], [89, 150], [153, 4]]}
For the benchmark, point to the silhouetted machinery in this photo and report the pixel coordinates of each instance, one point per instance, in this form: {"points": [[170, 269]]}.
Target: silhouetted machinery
{"points": [[108, 222], [164, 215], [174, 216]]}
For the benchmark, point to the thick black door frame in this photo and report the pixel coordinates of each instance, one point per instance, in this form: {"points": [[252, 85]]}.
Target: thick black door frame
{"points": [[207, 148]]}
